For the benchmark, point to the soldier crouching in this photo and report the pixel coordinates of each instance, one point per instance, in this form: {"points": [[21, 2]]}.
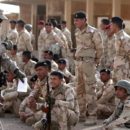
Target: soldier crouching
{"points": [[64, 106]]}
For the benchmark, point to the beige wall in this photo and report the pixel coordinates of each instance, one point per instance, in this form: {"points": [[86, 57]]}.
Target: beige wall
{"points": [[25, 12]]}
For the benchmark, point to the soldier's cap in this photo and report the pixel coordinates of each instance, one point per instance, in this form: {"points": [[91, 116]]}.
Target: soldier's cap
{"points": [[41, 63], [80, 15], [58, 74], [13, 21], [48, 24], [62, 61], [21, 22], [49, 63], [2, 16], [63, 22], [123, 84], [41, 22], [106, 71]]}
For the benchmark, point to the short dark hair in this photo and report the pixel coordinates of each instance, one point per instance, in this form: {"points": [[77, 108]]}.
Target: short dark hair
{"points": [[53, 21], [13, 21], [106, 71], [118, 21], [48, 52], [27, 54], [21, 23], [63, 22], [105, 21], [58, 74]]}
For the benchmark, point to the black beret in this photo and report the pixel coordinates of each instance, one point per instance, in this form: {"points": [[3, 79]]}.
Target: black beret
{"points": [[13, 21], [80, 15], [105, 70], [61, 61], [41, 63], [48, 24]]}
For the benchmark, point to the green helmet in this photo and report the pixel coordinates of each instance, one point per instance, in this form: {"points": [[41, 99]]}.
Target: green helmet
{"points": [[28, 27], [124, 84]]}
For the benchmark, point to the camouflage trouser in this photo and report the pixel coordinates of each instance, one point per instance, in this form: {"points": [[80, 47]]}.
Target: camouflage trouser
{"points": [[34, 118], [60, 117], [85, 74], [104, 111], [121, 72]]}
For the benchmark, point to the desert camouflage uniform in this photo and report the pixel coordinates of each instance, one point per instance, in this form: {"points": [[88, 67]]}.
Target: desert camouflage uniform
{"points": [[64, 48], [121, 60], [70, 57], [10, 97], [35, 114], [24, 41], [13, 36], [40, 89], [28, 68], [65, 111], [106, 100], [88, 54], [52, 42], [110, 52], [40, 43], [105, 46], [120, 116]]}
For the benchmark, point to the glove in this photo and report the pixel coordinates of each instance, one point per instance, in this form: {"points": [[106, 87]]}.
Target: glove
{"points": [[50, 100], [19, 75], [8, 45]]}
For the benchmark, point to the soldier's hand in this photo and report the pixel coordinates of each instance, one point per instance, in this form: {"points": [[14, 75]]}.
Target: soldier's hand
{"points": [[45, 109], [50, 100], [19, 75]]}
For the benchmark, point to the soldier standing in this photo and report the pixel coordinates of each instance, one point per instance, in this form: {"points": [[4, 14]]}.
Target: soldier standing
{"points": [[88, 54], [24, 38], [12, 34], [122, 47]]}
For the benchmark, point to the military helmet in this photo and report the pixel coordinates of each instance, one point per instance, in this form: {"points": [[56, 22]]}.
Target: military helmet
{"points": [[124, 84], [2, 16], [28, 27]]}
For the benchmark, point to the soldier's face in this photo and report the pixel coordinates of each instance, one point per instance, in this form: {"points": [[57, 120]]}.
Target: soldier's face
{"points": [[113, 27], [18, 27], [55, 81], [48, 29], [121, 93], [104, 76], [41, 72], [61, 66], [79, 23]]}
